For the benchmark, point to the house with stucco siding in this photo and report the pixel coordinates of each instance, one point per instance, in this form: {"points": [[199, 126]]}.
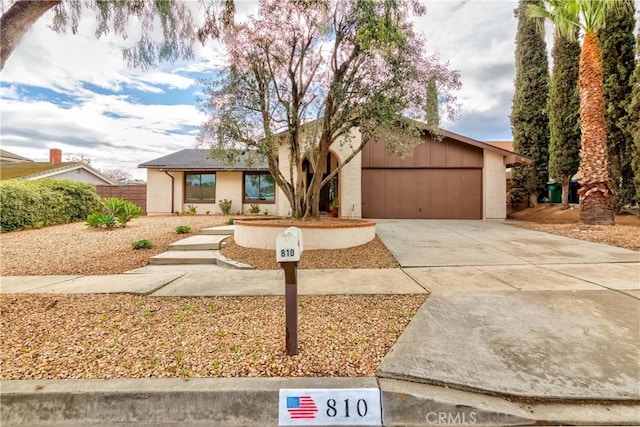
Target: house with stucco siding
{"points": [[452, 177]]}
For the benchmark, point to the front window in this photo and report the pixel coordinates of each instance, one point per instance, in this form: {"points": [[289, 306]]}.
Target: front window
{"points": [[259, 188], [200, 187]]}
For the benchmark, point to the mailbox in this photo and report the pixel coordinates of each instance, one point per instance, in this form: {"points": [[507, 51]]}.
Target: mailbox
{"points": [[288, 251], [289, 245]]}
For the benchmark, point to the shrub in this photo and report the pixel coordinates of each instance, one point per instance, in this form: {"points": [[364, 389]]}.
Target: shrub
{"points": [[254, 209], [101, 220], [225, 206], [121, 210], [230, 221], [183, 229], [35, 204], [191, 210], [129, 212], [141, 244]]}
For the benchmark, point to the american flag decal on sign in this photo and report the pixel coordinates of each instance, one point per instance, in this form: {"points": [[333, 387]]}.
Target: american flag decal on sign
{"points": [[301, 407]]}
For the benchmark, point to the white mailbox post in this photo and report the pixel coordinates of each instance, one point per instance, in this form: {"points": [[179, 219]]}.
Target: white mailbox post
{"points": [[288, 251]]}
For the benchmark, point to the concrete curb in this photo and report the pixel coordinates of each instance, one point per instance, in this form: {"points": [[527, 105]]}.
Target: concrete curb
{"points": [[144, 401], [254, 402]]}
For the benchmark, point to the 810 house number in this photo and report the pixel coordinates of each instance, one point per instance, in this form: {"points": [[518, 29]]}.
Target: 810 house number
{"points": [[345, 409], [287, 252], [335, 407]]}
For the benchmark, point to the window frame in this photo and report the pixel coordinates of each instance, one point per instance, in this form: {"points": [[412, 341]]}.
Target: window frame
{"points": [[199, 201], [258, 200]]}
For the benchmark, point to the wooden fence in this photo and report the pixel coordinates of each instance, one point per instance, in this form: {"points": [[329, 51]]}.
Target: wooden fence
{"points": [[136, 193]]}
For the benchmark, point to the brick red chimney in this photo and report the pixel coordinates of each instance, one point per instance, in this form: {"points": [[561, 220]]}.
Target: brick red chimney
{"points": [[55, 155]]}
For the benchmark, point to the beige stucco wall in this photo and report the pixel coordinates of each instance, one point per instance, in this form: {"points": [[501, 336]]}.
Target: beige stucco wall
{"points": [[494, 187], [159, 192], [350, 189], [264, 237], [350, 176]]}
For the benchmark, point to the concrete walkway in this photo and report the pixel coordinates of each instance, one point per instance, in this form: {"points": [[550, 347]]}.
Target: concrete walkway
{"points": [[520, 328]]}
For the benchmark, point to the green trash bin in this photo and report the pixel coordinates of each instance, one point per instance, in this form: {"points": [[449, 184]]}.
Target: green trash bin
{"points": [[555, 192]]}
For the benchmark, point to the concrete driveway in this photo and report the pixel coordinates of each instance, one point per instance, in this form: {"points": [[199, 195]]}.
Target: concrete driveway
{"points": [[491, 255]]}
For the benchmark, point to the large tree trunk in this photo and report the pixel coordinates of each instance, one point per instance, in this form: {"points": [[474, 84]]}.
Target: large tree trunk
{"points": [[16, 21], [596, 205]]}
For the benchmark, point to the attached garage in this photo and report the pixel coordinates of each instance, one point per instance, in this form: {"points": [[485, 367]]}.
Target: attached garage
{"points": [[437, 180]]}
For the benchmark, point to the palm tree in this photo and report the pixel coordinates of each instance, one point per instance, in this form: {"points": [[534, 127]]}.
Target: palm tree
{"points": [[596, 202]]}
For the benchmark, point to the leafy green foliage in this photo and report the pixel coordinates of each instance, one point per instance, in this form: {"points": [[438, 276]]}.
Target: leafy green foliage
{"points": [[123, 210], [230, 221], [254, 209], [142, 244], [101, 220], [183, 229], [191, 210], [564, 110], [129, 211], [115, 212], [225, 206], [29, 204], [528, 116], [617, 44], [433, 115], [634, 120]]}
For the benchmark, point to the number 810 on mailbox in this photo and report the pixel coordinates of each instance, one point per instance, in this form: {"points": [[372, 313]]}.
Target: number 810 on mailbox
{"points": [[289, 245]]}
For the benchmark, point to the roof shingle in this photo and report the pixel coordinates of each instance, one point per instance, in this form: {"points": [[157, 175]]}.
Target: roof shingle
{"points": [[198, 159]]}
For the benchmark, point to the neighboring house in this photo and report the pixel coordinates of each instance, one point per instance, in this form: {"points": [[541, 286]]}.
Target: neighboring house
{"points": [[9, 157], [54, 169], [455, 178]]}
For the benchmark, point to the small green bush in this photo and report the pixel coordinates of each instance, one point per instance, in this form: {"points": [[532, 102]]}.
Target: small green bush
{"points": [[183, 229], [225, 206], [141, 244], [36, 204], [115, 212], [230, 221], [254, 209], [101, 220], [191, 210]]}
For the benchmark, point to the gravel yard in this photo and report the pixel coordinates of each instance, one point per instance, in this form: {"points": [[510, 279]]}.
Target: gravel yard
{"points": [[370, 255], [551, 219], [76, 249], [116, 336]]}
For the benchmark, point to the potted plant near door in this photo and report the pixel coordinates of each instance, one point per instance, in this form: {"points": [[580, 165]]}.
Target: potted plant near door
{"points": [[334, 210]]}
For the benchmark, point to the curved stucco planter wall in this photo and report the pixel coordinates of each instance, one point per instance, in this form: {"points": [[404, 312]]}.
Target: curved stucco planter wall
{"points": [[262, 234]]}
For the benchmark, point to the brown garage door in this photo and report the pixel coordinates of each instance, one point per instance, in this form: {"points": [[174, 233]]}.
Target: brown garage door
{"points": [[422, 193]]}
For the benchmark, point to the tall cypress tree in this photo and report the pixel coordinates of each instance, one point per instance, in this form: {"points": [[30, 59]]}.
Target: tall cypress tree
{"points": [[564, 113], [617, 43], [529, 120], [433, 112], [634, 120]]}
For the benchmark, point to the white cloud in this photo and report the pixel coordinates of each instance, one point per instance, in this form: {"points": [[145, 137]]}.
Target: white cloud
{"points": [[477, 37]]}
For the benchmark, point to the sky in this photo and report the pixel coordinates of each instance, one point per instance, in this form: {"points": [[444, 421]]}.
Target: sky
{"points": [[75, 93]]}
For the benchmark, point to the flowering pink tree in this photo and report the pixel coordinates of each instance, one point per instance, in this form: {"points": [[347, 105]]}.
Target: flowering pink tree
{"points": [[305, 74]]}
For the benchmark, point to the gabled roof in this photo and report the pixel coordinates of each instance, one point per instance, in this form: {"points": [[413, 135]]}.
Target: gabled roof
{"points": [[505, 145], [11, 157], [39, 170], [198, 159], [511, 158]]}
